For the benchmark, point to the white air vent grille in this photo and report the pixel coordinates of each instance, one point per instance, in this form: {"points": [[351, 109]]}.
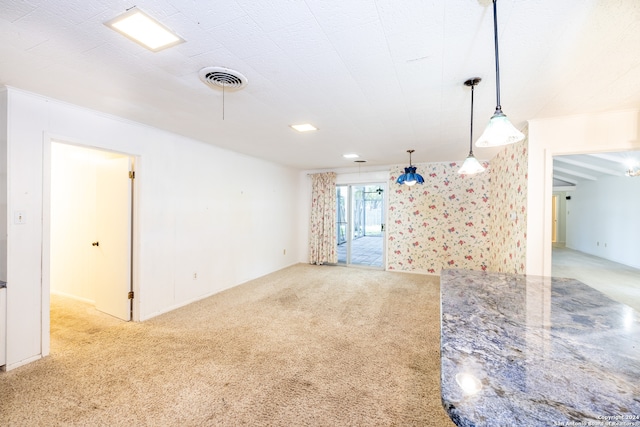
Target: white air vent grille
{"points": [[219, 77]]}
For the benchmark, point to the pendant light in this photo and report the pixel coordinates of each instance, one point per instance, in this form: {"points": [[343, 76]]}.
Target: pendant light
{"points": [[499, 131], [410, 176], [471, 165]]}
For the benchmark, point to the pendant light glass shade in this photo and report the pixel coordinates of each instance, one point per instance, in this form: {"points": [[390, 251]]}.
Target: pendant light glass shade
{"points": [[471, 165], [410, 176], [499, 131]]}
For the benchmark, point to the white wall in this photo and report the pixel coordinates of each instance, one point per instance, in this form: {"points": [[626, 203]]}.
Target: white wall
{"points": [[198, 209], [603, 219], [589, 133], [3, 185], [3, 222]]}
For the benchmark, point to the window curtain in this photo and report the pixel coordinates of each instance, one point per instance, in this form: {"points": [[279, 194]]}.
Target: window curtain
{"points": [[322, 236]]}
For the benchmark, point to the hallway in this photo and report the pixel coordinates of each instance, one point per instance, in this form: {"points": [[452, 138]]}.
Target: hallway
{"points": [[619, 282]]}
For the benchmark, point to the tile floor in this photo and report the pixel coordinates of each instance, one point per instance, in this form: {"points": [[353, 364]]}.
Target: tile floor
{"points": [[619, 282], [365, 250]]}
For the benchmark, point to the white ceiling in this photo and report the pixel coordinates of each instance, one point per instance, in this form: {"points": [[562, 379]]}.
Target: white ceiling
{"points": [[377, 77], [572, 170]]}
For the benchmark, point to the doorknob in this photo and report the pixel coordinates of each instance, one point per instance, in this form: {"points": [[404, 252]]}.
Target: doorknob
{"points": [[95, 244]]}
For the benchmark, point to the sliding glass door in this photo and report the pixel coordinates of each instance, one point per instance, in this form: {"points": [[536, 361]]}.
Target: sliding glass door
{"points": [[360, 224]]}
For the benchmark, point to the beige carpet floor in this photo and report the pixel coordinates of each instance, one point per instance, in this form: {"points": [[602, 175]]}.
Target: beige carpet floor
{"points": [[305, 346]]}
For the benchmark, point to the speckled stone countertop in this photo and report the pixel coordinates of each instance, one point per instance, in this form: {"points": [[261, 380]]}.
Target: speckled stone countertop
{"points": [[534, 351]]}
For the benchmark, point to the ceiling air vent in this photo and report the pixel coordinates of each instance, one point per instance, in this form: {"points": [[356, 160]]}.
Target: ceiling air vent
{"points": [[222, 78]]}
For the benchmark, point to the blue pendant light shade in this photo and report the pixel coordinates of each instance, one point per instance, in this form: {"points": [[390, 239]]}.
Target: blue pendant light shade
{"points": [[499, 131], [410, 176]]}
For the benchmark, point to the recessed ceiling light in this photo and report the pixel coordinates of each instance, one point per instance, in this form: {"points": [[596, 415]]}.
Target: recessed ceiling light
{"points": [[350, 156], [144, 30], [304, 127]]}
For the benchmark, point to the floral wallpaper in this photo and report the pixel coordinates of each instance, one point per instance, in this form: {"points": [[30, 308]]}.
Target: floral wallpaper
{"points": [[508, 194], [443, 223]]}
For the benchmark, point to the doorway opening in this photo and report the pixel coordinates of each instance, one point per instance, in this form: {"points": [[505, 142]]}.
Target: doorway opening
{"points": [[360, 224], [593, 222], [91, 216]]}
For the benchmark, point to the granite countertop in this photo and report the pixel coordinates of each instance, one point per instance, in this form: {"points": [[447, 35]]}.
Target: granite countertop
{"points": [[536, 351]]}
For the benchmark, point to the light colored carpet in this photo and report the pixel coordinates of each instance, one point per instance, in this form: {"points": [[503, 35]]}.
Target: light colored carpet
{"points": [[305, 346]]}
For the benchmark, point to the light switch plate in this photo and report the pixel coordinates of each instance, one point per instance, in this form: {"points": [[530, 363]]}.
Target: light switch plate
{"points": [[19, 217]]}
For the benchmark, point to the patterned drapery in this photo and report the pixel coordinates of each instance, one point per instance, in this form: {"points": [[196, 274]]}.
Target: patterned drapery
{"points": [[322, 235]]}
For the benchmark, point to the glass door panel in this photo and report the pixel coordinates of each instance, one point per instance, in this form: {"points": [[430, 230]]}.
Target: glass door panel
{"points": [[342, 219], [360, 216]]}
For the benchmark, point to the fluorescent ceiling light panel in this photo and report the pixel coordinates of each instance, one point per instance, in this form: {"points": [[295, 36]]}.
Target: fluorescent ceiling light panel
{"points": [[144, 30], [304, 127], [350, 156]]}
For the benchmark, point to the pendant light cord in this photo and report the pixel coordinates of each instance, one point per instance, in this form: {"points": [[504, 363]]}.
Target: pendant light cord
{"points": [[495, 43], [223, 86], [471, 132]]}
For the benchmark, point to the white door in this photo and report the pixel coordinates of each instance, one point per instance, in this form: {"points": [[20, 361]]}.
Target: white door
{"points": [[112, 244]]}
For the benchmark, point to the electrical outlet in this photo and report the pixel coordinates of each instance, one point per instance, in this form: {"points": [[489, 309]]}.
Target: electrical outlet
{"points": [[195, 276], [284, 252]]}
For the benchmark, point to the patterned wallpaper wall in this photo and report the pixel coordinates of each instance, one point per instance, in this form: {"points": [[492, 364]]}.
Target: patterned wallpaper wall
{"points": [[443, 223], [508, 196]]}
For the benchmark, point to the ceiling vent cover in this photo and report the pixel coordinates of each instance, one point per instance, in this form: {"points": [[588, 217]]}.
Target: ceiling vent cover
{"points": [[222, 78]]}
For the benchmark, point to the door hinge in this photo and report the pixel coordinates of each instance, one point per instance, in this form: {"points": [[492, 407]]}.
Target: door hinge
{"points": [[130, 294], [132, 174]]}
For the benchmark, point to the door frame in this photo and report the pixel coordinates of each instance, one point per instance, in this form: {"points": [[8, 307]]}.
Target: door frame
{"points": [[349, 217], [48, 140], [554, 218]]}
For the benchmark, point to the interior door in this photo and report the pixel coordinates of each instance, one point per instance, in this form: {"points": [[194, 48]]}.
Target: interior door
{"points": [[112, 244]]}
